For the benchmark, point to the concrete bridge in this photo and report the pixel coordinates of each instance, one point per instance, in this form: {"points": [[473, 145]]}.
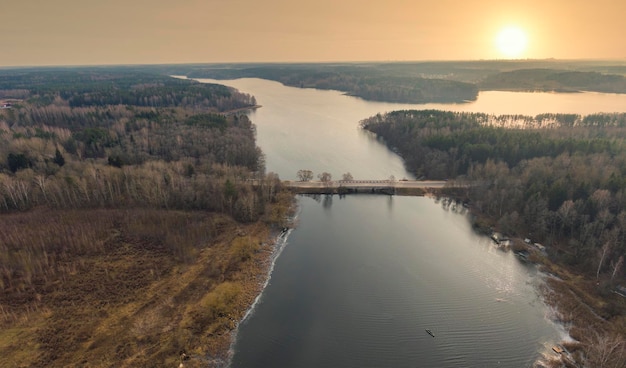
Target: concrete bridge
{"points": [[410, 187]]}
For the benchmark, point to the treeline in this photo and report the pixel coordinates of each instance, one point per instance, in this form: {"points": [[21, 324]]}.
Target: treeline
{"points": [[440, 145], [563, 184], [155, 184], [131, 137], [428, 81], [365, 82], [555, 80], [126, 155], [464, 71], [84, 88]]}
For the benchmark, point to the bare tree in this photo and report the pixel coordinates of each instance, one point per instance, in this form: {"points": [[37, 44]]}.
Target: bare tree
{"points": [[272, 184], [325, 178], [40, 180], [305, 175], [617, 267], [347, 177], [606, 351], [567, 215], [605, 249]]}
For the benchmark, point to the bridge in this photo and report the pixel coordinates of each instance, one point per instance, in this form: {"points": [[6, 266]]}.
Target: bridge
{"points": [[410, 187]]}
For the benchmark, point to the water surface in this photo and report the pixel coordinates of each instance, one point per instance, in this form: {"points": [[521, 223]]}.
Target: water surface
{"points": [[318, 130], [362, 277]]}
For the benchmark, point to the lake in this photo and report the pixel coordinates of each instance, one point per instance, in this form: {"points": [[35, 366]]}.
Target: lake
{"points": [[319, 130], [362, 277]]}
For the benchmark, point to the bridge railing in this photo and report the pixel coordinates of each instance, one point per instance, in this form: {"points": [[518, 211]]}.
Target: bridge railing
{"points": [[387, 181]]}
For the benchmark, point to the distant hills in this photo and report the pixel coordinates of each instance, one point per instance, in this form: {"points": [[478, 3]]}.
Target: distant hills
{"points": [[368, 82], [436, 81], [554, 80]]}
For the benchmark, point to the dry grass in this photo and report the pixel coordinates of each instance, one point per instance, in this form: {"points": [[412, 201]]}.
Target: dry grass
{"points": [[124, 288], [595, 318]]}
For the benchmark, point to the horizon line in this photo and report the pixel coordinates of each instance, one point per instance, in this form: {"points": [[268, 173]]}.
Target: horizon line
{"points": [[308, 62]]}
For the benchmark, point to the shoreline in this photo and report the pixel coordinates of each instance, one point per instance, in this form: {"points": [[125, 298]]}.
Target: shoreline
{"points": [[572, 299], [266, 263], [278, 245], [241, 109], [280, 241], [554, 291]]}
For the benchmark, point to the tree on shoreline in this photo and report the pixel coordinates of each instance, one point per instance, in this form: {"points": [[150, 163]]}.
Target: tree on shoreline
{"points": [[325, 178], [562, 182], [557, 177], [305, 175]]}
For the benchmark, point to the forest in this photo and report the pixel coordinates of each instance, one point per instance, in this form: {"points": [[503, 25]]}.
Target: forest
{"points": [[126, 199], [84, 87], [426, 82], [555, 80], [367, 83], [555, 179], [528, 178]]}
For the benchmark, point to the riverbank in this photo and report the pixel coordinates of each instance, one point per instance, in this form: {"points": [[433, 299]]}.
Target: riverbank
{"points": [[144, 288], [592, 314], [241, 110], [264, 274]]}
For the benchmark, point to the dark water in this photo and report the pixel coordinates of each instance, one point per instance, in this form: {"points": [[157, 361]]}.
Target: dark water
{"points": [[362, 277]]}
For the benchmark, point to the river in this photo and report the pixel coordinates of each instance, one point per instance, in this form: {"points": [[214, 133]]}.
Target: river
{"points": [[362, 277]]}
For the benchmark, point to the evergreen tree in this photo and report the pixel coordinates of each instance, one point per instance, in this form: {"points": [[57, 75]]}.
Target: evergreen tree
{"points": [[58, 158]]}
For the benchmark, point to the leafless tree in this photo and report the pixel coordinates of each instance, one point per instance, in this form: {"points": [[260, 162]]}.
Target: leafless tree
{"points": [[605, 249], [617, 267], [305, 175], [325, 178], [606, 351]]}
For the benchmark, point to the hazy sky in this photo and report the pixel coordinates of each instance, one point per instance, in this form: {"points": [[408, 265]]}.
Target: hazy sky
{"points": [[71, 32]]}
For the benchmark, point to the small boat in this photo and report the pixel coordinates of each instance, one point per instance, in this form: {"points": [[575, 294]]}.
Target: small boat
{"points": [[430, 333], [558, 349]]}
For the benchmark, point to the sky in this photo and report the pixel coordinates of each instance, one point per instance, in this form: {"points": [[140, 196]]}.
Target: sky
{"points": [[87, 32]]}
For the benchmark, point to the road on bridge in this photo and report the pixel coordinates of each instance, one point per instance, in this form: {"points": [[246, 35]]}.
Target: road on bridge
{"points": [[434, 184]]}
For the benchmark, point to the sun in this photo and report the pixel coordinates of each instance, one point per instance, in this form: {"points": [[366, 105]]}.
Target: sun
{"points": [[511, 42]]}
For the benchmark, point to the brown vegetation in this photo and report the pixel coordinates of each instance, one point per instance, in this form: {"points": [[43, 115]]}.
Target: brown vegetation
{"points": [[124, 287], [130, 231]]}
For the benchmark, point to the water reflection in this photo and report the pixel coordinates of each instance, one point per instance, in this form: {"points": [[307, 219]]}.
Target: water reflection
{"points": [[452, 205], [316, 197], [327, 202], [390, 204]]}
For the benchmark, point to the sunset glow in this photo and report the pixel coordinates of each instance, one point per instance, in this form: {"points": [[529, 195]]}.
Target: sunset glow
{"points": [[511, 42], [79, 32]]}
